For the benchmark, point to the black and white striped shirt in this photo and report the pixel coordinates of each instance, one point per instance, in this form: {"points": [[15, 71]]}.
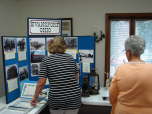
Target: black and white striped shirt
{"points": [[61, 69]]}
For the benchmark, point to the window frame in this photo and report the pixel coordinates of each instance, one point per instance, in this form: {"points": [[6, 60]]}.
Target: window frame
{"points": [[132, 17]]}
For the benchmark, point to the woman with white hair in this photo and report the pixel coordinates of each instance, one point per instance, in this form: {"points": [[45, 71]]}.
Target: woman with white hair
{"points": [[131, 88]]}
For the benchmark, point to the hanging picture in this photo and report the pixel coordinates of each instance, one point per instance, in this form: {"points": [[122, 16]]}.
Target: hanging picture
{"points": [[9, 46], [67, 27], [21, 47]]}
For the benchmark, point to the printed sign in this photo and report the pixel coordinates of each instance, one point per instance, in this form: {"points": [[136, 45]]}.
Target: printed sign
{"points": [[44, 27]]}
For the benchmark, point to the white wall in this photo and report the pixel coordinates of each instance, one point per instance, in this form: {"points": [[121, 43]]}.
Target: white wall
{"points": [[8, 26], [88, 16], [9, 17]]}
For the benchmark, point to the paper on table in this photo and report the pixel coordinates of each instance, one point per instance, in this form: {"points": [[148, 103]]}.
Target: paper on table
{"points": [[86, 67], [8, 111], [28, 90]]}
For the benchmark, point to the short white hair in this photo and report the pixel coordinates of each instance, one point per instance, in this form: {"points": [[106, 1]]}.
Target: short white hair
{"points": [[135, 44]]}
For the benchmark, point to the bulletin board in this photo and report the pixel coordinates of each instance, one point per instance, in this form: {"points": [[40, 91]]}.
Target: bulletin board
{"points": [[14, 50], [82, 48], [22, 57]]}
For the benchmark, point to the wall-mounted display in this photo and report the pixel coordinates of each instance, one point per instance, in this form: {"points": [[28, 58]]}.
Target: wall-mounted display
{"points": [[44, 26], [23, 73], [22, 49], [9, 45]]}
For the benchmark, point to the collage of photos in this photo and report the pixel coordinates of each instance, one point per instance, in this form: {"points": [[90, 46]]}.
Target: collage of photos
{"points": [[9, 46], [72, 45], [12, 77], [37, 53], [22, 49]]}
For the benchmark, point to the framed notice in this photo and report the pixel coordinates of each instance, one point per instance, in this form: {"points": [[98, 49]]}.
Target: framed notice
{"points": [[67, 27], [44, 27]]}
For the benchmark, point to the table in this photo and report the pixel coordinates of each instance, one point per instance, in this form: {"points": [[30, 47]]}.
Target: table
{"points": [[100, 100]]}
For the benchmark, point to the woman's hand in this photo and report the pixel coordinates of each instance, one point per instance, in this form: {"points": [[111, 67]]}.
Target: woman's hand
{"points": [[34, 101]]}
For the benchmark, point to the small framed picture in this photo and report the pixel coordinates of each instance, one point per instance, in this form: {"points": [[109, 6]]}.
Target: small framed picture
{"points": [[67, 27]]}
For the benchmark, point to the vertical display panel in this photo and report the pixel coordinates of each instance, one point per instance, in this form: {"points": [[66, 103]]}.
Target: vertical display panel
{"points": [[37, 51], [12, 90]]}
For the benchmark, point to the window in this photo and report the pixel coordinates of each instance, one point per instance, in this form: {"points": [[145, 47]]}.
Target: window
{"points": [[118, 28]]}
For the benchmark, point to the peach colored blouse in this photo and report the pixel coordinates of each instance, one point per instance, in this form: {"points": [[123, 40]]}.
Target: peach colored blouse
{"points": [[131, 89]]}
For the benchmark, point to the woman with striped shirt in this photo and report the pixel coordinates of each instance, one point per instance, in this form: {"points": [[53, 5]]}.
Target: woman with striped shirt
{"points": [[61, 70]]}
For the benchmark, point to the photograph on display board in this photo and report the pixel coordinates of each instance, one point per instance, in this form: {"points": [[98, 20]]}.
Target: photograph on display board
{"points": [[87, 56], [71, 42], [49, 40], [37, 56], [37, 43], [23, 73], [11, 71], [11, 76], [35, 68], [9, 46], [21, 47], [21, 44]]}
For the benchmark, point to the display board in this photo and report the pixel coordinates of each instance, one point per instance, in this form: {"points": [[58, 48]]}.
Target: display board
{"points": [[15, 64], [84, 55], [22, 58]]}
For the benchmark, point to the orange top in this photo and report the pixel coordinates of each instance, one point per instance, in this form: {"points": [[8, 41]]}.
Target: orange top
{"points": [[131, 89]]}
